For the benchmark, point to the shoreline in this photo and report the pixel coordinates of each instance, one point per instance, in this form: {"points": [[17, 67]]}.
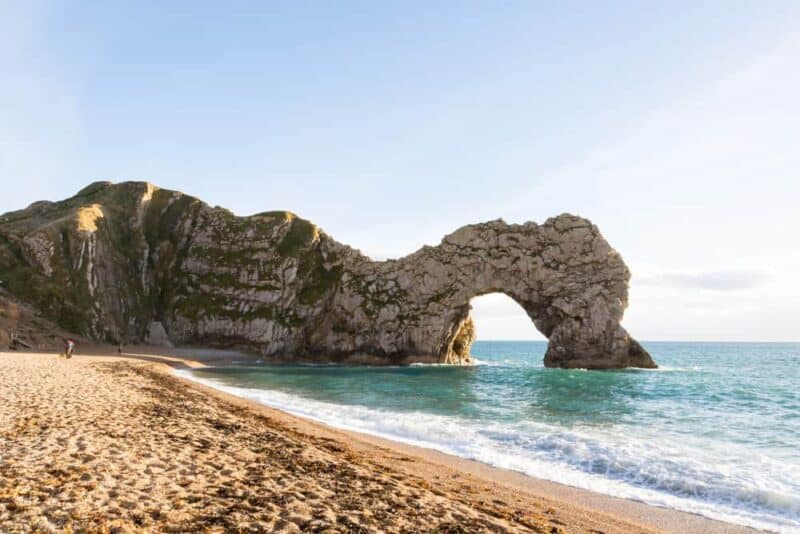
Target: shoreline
{"points": [[630, 509], [456, 478]]}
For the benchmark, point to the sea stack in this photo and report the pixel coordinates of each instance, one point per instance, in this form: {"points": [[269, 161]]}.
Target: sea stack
{"points": [[134, 262]]}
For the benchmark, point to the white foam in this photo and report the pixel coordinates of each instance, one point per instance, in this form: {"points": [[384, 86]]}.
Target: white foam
{"points": [[507, 362], [686, 476]]}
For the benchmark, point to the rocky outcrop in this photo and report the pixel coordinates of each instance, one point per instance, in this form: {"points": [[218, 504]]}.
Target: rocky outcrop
{"points": [[157, 335], [129, 262]]}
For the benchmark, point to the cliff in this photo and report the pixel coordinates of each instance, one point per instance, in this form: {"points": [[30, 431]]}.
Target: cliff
{"points": [[132, 262]]}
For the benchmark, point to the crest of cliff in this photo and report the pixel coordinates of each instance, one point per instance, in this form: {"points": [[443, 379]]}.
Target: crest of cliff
{"points": [[131, 262]]}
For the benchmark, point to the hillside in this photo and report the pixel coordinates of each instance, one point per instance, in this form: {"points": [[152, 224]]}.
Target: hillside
{"points": [[131, 262]]}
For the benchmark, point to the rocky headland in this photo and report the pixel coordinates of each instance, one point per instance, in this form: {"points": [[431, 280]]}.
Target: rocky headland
{"points": [[131, 262]]}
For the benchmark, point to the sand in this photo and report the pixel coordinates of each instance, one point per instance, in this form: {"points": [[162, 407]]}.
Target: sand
{"points": [[100, 443]]}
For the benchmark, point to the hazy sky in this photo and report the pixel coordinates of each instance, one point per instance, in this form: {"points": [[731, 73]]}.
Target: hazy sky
{"points": [[674, 126]]}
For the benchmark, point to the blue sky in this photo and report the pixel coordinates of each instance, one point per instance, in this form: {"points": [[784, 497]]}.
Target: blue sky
{"points": [[674, 126]]}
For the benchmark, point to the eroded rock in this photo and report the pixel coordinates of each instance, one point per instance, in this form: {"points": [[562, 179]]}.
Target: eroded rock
{"points": [[157, 335], [115, 259]]}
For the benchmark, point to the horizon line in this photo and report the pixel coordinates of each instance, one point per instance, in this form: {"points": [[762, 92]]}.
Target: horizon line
{"points": [[655, 341]]}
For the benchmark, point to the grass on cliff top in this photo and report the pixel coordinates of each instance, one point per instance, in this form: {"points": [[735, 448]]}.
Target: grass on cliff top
{"points": [[301, 235]]}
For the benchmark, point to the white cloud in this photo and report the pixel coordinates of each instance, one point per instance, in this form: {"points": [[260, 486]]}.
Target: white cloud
{"points": [[717, 281]]}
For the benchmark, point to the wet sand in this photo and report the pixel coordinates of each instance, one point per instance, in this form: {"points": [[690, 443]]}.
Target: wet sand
{"points": [[102, 443]]}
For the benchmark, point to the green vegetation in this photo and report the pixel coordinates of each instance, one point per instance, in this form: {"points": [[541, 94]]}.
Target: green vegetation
{"points": [[238, 256], [301, 235], [141, 273], [321, 283], [152, 216], [56, 297], [340, 327], [92, 189], [197, 306]]}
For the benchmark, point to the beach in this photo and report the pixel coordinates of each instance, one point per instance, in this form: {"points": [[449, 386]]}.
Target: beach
{"points": [[107, 443]]}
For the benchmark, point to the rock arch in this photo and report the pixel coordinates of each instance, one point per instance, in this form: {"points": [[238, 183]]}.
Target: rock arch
{"points": [[565, 276], [276, 284]]}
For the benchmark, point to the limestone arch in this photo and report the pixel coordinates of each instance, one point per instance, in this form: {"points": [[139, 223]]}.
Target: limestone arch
{"points": [[568, 280]]}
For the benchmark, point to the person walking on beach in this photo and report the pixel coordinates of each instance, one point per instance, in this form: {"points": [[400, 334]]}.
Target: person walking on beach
{"points": [[69, 348]]}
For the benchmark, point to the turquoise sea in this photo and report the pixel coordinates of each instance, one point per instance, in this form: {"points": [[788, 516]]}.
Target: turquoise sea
{"points": [[715, 430]]}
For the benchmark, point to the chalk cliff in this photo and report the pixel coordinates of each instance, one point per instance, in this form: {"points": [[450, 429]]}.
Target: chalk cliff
{"points": [[133, 262]]}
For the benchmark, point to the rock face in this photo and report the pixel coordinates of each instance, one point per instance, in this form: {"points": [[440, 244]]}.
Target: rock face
{"points": [[132, 262]]}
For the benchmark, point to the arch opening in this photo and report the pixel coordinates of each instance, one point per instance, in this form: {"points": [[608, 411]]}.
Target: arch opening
{"points": [[498, 317], [490, 316]]}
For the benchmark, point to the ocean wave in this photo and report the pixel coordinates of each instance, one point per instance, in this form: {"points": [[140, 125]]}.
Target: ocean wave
{"points": [[687, 476], [663, 369], [506, 362], [474, 362]]}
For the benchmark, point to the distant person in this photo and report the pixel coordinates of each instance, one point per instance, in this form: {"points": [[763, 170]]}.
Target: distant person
{"points": [[69, 348], [119, 348]]}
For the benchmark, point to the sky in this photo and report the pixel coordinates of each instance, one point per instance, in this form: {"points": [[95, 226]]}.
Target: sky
{"points": [[673, 126]]}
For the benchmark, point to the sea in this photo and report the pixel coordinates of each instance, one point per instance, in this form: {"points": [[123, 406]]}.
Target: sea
{"points": [[714, 431]]}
